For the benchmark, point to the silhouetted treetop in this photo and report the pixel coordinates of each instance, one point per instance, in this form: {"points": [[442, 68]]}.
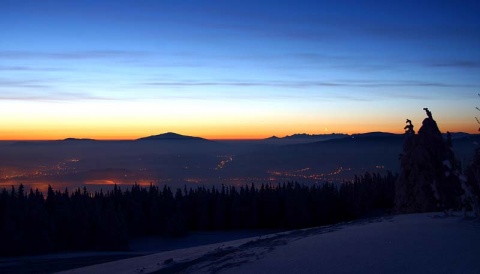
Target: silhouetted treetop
{"points": [[427, 168]]}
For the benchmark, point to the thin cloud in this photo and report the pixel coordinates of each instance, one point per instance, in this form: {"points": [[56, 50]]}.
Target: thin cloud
{"points": [[54, 96], [309, 84], [4, 83], [464, 64], [25, 68], [411, 84], [36, 90], [73, 55], [258, 96], [288, 84]]}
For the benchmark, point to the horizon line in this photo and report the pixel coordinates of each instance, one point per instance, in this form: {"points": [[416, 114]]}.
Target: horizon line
{"points": [[210, 139]]}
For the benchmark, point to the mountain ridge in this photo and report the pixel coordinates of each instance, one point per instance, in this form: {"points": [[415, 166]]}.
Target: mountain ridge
{"points": [[171, 136]]}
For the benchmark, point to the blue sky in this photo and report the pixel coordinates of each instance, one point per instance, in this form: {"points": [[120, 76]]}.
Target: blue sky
{"points": [[235, 69]]}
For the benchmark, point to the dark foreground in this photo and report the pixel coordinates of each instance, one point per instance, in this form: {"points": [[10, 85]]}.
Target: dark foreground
{"points": [[139, 247], [414, 243], [49, 265]]}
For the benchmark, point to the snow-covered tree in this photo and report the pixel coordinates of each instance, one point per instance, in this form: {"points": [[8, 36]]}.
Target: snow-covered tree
{"points": [[471, 181]]}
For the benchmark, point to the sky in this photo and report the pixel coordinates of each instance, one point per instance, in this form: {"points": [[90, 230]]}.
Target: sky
{"points": [[235, 69]]}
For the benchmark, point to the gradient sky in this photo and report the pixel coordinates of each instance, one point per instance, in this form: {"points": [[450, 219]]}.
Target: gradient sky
{"points": [[235, 69]]}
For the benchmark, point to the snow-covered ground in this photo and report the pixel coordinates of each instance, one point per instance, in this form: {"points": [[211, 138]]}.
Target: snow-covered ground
{"points": [[414, 243]]}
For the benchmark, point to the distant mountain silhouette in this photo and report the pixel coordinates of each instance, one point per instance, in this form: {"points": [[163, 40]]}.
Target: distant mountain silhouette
{"points": [[304, 135], [302, 138], [355, 139], [455, 135], [171, 136], [54, 142], [460, 135], [376, 134], [78, 139], [309, 136], [361, 139]]}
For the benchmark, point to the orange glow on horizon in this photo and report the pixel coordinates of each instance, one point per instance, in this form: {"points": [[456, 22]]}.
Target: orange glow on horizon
{"points": [[49, 136], [238, 129], [214, 120]]}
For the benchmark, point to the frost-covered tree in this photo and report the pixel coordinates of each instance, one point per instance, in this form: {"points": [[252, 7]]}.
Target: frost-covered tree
{"points": [[471, 182], [426, 182]]}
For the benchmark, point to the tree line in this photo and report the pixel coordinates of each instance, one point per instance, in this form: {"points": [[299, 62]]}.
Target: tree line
{"points": [[31, 223]]}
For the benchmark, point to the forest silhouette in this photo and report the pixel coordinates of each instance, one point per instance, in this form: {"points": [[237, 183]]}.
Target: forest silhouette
{"points": [[64, 221]]}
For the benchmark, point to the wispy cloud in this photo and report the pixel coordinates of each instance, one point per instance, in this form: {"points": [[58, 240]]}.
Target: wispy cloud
{"points": [[30, 68], [348, 90], [40, 90], [68, 55], [284, 84], [464, 64], [309, 84], [49, 96], [25, 83]]}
